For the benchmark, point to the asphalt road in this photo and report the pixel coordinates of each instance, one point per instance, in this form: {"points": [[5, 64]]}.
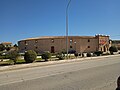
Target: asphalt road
{"points": [[96, 74]]}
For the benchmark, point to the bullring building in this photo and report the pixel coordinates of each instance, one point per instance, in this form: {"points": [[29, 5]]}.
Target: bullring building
{"points": [[56, 44]]}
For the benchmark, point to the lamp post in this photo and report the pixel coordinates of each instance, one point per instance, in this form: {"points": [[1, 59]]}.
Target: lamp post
{"points": [[75, 45], [67, 27]]}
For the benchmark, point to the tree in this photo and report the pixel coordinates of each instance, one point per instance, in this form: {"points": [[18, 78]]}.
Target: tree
{"points": [[15, 45], [113, 49], [30, 56], [8, 48], [2, 47], [13, 55]]}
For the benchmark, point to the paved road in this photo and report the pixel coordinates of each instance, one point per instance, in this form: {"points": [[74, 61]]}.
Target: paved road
{"points": [[96, 74]]}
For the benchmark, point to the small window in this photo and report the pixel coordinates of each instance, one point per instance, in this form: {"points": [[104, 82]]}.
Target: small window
{"points": [[25, 47], [70, 46], [36, 47], [88, 40], [26, 43], [88, 46], [52, 40]]}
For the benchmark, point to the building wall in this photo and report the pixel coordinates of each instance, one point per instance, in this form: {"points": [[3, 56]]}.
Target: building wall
{"points": [[116, 43], [104, 43], [58, 44]]}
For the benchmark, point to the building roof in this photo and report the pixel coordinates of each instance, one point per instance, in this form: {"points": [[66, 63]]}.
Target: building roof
{"points": [[6, 43], [57, 37]]}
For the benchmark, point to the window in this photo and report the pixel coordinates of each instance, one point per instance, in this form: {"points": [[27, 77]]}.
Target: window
{"points": [[25, 47], [36, 47], [26, 43], [70, 46], [88, 40], [88, 46]]}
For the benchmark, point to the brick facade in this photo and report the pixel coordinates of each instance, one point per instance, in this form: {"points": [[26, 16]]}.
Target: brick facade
{"points": [[57, 44]]}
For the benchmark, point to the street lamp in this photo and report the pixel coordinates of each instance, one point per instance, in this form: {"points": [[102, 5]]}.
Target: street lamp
{"points": [[75, 45], [67, 26]]}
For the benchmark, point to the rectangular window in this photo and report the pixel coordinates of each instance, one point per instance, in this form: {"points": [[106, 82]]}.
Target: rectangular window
{"points": [[25, 47], [36, 47], [88, 40], [88, 46], [26, 43], [70, 46]]}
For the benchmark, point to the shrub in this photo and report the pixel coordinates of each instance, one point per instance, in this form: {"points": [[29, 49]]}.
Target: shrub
{"points": [[2, 47], [13, 55], [113, 49], [71, 51], [76, 54], [30, 56], [46, 56], [98, 53], [60, 56], [64, 52], [89, 55]]}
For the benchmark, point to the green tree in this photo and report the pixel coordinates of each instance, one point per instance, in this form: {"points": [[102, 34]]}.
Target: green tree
{"points": [[15, 45], [113, 49], [8, 48], [13, 55], [2, 47], [30, 56]]}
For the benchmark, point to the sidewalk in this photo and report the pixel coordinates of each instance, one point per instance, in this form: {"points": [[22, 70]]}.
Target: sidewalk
{"points": [[37, 64]]}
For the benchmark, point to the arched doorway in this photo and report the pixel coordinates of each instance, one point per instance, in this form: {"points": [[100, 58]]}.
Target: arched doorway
{"points": [[52, 49]]}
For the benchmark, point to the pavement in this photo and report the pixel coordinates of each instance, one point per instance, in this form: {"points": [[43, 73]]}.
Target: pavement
{"points": [[98, 73], [37, 64]]}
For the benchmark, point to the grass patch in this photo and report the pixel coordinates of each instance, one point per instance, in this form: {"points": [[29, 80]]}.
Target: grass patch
{"points": [[20, 61], [5, 63]]}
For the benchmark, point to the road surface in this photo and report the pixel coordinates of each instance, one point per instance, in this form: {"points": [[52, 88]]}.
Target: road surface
{"points": [[95, 74]]}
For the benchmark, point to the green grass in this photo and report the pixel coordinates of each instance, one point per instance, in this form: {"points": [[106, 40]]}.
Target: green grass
{"points": [[10, 62], [20, 61]]}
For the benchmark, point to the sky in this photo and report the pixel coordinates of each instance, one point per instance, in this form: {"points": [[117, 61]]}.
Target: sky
{"points": [[21, 19]]}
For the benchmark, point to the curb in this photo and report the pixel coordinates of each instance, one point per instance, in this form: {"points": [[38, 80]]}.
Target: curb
{"points": [[23, 66]]}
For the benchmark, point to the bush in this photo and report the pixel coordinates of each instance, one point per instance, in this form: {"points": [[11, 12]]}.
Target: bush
{"points": [[30, 56], [98, 53], [113, 49], [13, 55], [60, 56], [71, 51], [76, 54], [2, 47], [89, 55], [46, 56], [64, 52], [5, 57]]}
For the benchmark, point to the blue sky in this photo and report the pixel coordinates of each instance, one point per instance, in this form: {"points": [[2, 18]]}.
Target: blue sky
{"points": [[21, 19]]}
